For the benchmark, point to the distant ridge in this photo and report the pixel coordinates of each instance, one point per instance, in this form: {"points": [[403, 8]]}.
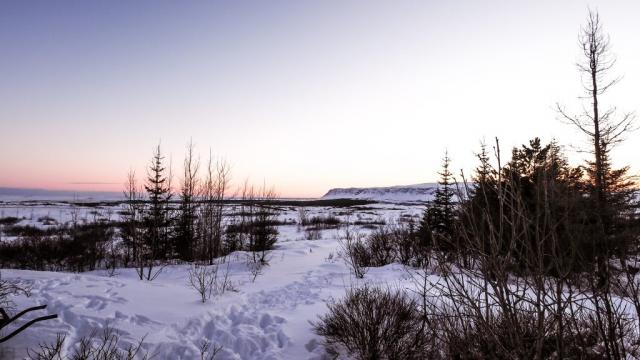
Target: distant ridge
{"points": [[24, 194], [394, 194]]}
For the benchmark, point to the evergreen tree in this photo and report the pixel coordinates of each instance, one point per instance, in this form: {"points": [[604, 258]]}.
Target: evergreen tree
{"points": [[156, 219], [484, 172], [439, 218], [483, 188], [482, 197], [538, 184]]}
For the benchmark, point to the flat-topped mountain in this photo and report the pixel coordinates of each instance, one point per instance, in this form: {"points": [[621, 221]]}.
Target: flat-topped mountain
{"points": [[399, 194]]}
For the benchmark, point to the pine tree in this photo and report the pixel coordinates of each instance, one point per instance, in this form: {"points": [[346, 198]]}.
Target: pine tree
{"points": [[437, 226], [156, 219], [615, 201], [483, 173]]}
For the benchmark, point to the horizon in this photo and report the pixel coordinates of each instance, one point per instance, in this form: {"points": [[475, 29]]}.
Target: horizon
{"points": [[303, 97], [35, 192]]}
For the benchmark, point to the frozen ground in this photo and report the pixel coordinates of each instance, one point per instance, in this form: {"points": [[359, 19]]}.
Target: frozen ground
{"points": [[266, 319]]}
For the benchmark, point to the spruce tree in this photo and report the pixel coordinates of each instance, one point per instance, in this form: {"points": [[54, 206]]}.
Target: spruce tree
{"points": [[437, 226], [156, 219]]}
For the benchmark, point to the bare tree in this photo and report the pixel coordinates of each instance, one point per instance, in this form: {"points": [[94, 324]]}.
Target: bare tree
{"points": [[213, 192], [611, 190], [603, 128], [131, 232], [187, 213]]}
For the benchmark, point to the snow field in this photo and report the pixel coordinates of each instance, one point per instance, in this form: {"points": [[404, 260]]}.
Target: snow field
{"points": [[268, 318]]}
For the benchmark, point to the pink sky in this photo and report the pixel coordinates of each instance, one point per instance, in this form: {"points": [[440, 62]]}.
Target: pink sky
{"points": [[304, 96]]}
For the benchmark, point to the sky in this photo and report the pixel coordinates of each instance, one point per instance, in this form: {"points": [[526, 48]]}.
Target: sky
{"points": [[301, 95]]}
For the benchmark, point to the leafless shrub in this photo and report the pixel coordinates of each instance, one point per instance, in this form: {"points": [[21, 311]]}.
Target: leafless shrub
{"points": [[255, 267], [201, 279], [354, 252], [374, 323], [209, 351], [379, 246], [330, 258], [48, 351], [99, 345], [312, 233], [395, 242], [9, 288], [458, 336], [323, 221], [303, 218], [208, 281]]}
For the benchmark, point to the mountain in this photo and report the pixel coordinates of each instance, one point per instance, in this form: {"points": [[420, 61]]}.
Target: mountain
{"points": [[394, 194]]}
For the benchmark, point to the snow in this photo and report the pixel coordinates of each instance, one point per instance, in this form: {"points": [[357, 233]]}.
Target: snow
{"points": [[268, 318], [393, 194]]}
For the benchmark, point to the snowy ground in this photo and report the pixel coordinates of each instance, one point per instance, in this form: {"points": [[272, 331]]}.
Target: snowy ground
{"points": [[266, 319]]}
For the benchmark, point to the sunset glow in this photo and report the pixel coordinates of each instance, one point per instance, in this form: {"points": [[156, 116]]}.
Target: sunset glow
{"points": [[305, 96]]}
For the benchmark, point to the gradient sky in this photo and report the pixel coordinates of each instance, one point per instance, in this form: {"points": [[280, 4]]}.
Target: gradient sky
{"points": [[301, 95]]}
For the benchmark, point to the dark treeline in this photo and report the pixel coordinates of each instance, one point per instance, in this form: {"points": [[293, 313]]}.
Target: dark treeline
{"points": [[536, 258]]}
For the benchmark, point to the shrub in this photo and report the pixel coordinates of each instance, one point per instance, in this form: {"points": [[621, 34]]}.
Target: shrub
{"points": [[466, 338], [397, 242], [105, 345], [354, 253], [77, 248], [207, 281], [329, 220], [201, 279], [374, 323], [312, 233], [9, 220]]}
